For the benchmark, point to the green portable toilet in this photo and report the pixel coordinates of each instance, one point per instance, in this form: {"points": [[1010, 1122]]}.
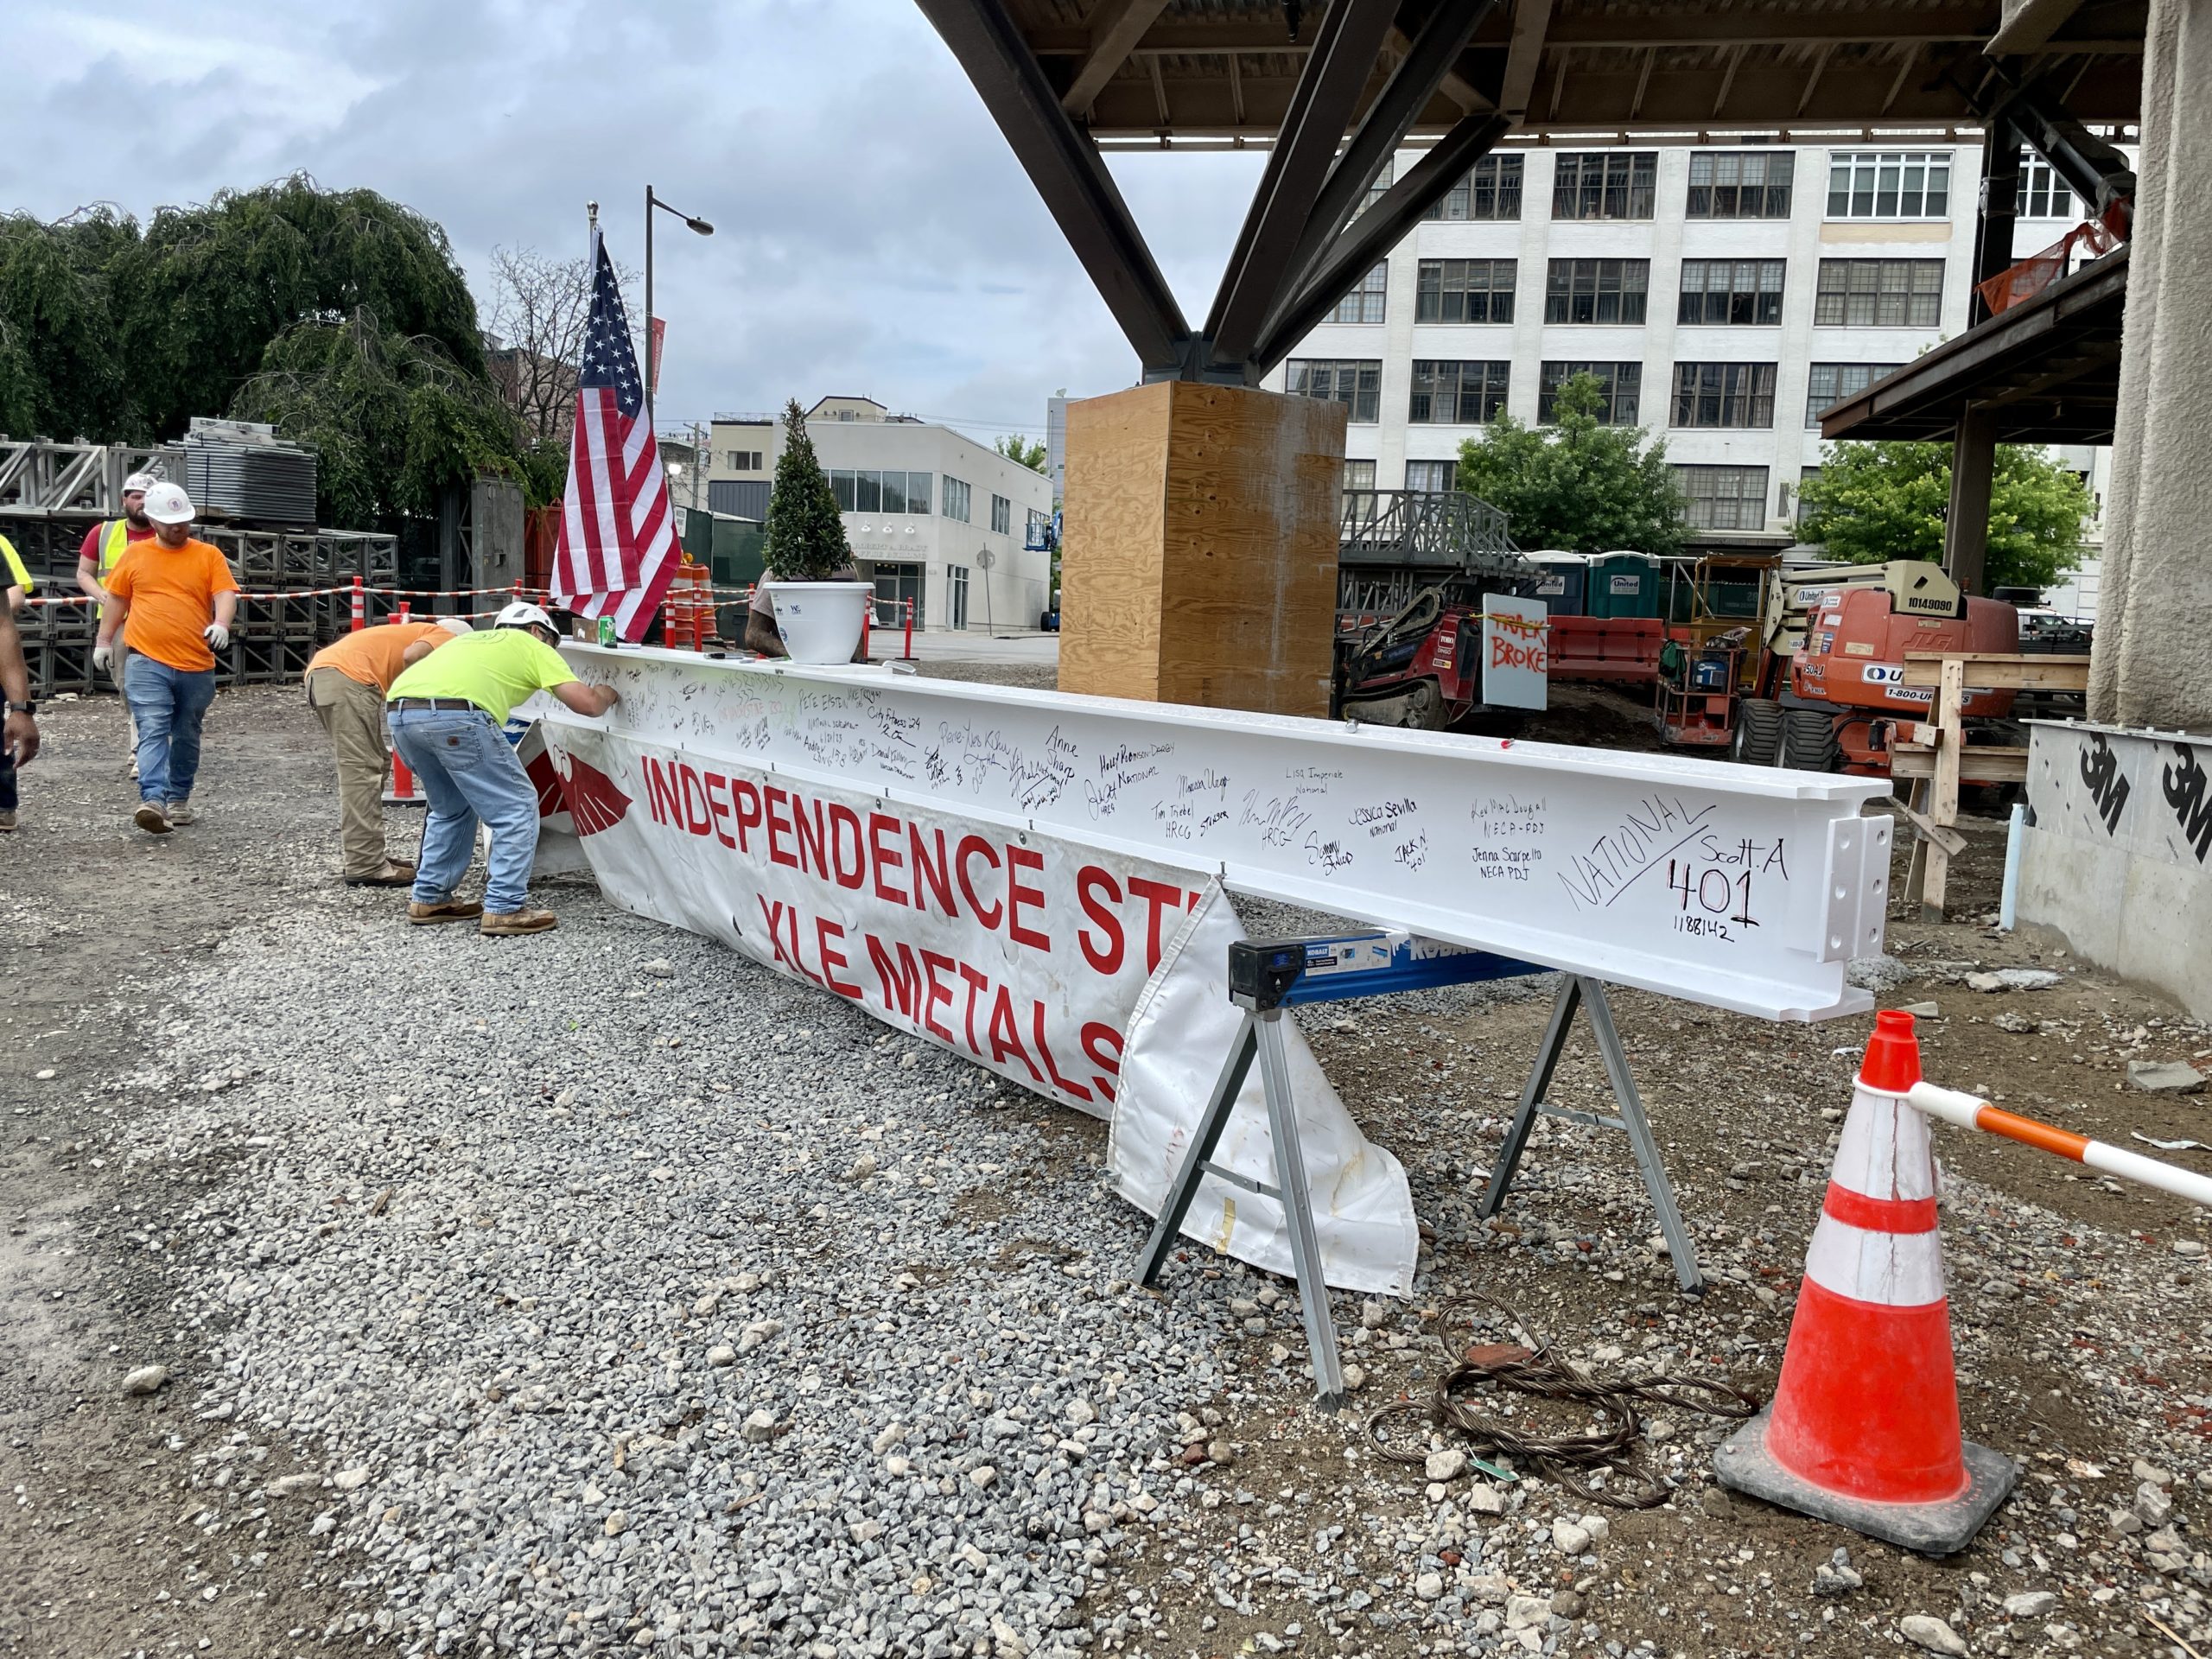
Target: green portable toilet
{"points": [[1623, 583]]}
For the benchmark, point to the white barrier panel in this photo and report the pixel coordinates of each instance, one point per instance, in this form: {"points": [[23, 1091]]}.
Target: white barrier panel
{"points": [[1746, 888], [1023, 951]]}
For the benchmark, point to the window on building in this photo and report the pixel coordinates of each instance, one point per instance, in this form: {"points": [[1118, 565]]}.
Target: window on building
{"points": [[745, 461], [1605, 184], [1363, 303], [2041, 192], [955, 593], [1723, 394], [1457, 394], [1890, 184], [1359, 474], [956, 498], [1832, 383], [1464, 290], [1879, 294], [1622, 383], [1490, 189], [1376, 188], [1805, 476], [1748, 184], [1596, 290], [1724, 498], [1034, 528], [879, 491], [1001, 515], [1432, 475], [1357, 384], [1737, 292]]}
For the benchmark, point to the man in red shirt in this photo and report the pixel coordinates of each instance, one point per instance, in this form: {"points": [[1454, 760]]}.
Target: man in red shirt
{"points": [[104, 544]]}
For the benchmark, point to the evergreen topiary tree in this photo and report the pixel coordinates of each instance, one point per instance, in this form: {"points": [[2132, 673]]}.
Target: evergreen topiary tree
{"points": [[805, 535]]}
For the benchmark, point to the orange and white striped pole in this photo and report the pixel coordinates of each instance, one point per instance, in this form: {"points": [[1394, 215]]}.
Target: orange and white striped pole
{"points": [[1970, 1113]]}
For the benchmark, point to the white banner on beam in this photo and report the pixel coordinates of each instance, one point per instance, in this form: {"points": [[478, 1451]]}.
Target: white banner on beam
{"points": [[1742, 888]]}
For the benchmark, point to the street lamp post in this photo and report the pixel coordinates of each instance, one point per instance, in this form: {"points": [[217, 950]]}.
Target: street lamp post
{"points": [[701, 228]]}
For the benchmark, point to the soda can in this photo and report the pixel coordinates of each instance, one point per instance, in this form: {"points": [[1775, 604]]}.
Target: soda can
{"points": [[607, 630]]}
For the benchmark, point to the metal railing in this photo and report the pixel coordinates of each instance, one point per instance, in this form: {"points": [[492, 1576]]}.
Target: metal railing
{"points": [[1440, 529], [38, 476]]}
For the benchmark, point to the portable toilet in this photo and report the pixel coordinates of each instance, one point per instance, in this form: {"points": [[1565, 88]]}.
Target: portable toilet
{"points": [[1561, 580], [1623, 583]]}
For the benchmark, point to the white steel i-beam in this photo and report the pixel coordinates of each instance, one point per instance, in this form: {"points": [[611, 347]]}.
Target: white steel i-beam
{"points": [[1745, 888]]}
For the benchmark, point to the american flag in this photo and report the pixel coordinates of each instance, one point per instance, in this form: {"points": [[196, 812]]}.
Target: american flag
{"points": [[617, 536]]}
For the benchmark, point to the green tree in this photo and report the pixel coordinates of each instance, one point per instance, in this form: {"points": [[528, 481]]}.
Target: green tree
{"points": [[1018, 450], [1580, 485], [1878, 501], [805, 534]]}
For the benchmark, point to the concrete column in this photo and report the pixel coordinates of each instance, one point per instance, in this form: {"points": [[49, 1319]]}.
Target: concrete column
{"points": [[2152, 664], [1965, 531]]}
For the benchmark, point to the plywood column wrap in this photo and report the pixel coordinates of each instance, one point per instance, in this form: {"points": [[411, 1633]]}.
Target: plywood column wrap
{"points": [[1198, 559]]}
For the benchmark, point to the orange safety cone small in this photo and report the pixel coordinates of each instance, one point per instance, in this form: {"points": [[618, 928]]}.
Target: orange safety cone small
{"points": [[1864, 1427], [399, 787]]}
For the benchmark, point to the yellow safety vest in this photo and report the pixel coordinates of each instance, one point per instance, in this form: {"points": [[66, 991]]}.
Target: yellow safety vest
{"points": [[18, 576], [115, 542]]}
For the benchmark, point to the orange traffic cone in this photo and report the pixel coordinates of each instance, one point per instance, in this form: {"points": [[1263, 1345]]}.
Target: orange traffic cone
{"points": [[399, 788], [1864, 1428]]}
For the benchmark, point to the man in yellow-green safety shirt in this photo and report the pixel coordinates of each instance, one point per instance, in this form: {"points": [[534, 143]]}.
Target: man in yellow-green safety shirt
{"points": [[104, 546]]}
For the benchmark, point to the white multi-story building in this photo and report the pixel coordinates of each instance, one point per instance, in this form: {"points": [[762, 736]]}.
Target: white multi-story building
{"points": [[1724, 296], [933, 517]]}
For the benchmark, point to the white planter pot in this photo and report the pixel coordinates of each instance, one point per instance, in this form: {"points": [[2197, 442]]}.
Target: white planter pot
{"points": [[820, 621]]}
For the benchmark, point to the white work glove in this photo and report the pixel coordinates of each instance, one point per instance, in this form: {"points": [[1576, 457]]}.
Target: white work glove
{"points": [[216, 635], [102, 656]]}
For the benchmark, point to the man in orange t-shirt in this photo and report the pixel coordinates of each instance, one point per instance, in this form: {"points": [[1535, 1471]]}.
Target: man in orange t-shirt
{"points": [[174, 599], [346, 683]]}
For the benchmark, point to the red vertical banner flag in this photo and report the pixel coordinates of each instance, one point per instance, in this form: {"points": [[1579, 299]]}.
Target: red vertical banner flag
{"points": [[660, 332], [618, 548]]}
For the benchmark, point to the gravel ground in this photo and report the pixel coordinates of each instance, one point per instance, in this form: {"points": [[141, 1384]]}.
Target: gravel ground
{"points": [[511, 1301]]}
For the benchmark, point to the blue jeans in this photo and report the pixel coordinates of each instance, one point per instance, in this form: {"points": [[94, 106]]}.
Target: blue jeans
{"points": [[468, 770], [168, 705]]}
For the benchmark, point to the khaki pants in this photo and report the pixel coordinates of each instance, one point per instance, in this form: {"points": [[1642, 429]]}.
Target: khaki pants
{"points": [[352, 717]]}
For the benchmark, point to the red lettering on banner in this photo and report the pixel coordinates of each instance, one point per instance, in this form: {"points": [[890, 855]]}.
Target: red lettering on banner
{"points": [[1160, 897], [934, 965], [1037, 1030], [1006, 1035], [747, 797], [979, 986], [660, 792], [698, 822], [901, 980], [777, 826], [719, 809], [817, 841], [971, 844], [773, 914], [1087, 883], [1024, 858], [844, 818], [832, 959], [1097, 1037], [934, 875], [885, 858], [790, 917]]}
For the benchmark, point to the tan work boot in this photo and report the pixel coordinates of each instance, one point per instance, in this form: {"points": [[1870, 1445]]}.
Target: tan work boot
{"points": [[6, 820], [499, 924], [387, 874], [150, 819], [452, 910]]}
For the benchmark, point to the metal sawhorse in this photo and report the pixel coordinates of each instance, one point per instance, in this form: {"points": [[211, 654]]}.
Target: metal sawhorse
{"points": [[1268, 975]]}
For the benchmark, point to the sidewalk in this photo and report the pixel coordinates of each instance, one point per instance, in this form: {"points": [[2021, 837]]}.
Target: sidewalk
{"points": [[1029, 648]]}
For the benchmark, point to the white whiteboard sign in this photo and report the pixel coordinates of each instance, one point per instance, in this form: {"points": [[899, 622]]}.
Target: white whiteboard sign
{"points": [[1517, 656]]}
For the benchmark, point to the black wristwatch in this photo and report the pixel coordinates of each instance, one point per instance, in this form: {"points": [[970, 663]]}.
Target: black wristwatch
{"points": [[22, 708]]}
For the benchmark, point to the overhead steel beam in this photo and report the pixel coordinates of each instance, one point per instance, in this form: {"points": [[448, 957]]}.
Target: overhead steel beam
{"points": [[2028, 25], [1068, 172], [1427, 62], [1454, 85], [1375, 231], [1115, 28], [1531, 19], [2092, 168], [1345, 52]]}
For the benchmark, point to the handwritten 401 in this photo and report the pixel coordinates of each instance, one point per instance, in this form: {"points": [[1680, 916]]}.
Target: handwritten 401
{"points": [[1713, 886]]}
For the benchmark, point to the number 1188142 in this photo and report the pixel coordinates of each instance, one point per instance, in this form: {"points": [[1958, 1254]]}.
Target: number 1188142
{"points": [[1711, 901]]}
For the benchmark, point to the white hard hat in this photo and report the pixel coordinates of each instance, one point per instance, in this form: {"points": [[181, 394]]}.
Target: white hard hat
{"points": [[456, 624], [522, 614], [138, 483], [167, 503]]}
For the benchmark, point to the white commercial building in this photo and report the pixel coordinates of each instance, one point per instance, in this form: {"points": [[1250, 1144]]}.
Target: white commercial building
{"points": [[1724, 295], [933, 517]]}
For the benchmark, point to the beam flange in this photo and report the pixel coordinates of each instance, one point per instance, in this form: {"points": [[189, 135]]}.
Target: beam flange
{"points": [[1531, 21], [1068, 172], [1115, 28]]}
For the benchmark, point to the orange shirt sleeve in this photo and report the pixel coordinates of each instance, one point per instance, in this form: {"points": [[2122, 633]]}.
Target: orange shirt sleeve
{"points": [[220, 579], [121, 580]]}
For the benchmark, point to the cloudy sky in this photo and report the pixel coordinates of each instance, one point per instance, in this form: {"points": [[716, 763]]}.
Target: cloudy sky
{"points": [[873, 233]]}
